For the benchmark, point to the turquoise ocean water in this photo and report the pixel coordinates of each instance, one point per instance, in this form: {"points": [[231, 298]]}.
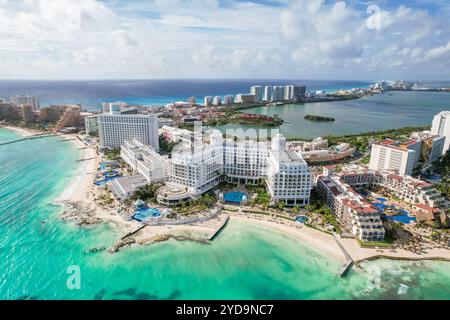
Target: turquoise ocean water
{"points": [[244, 262]]}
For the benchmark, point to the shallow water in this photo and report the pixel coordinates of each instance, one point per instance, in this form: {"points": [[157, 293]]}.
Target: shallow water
{"points": [[245, 261]]}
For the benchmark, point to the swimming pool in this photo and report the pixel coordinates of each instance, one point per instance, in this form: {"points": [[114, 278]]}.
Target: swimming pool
{"points": [[302, 219], [142, 215], [402, 218], [104, 181], [236, 197]]}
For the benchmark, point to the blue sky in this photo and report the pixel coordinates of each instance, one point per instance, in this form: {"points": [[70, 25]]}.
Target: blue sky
{"points": [[310, 39]]}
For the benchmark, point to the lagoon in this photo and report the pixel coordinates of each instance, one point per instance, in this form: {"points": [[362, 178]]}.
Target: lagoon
{"points": [[379, 112]]}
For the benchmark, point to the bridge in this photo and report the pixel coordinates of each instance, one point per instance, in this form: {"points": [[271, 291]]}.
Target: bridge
{"points": [[36, 136]]}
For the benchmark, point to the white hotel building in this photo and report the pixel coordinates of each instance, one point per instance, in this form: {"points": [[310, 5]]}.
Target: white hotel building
{"points": [[288, 176], [145, 160], [200, 166], [385, 156], [115, 128], [441, 126]]}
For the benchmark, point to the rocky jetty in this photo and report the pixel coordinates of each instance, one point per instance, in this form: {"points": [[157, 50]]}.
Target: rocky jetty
{"points": [[80, 214]]}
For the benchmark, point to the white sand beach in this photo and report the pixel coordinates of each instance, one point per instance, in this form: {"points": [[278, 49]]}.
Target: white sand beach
{"points": [[79, 190], [317, 239]]}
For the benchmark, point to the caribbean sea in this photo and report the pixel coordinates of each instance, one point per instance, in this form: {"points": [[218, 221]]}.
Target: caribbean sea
{"points": [[38, 252]]}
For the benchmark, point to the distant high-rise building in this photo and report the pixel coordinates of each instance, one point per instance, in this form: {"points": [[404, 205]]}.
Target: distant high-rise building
{"points": [[268, 91], [113, 107], [27, 113], [257, 91], [299, 92], [289, 92], [26, 100], [217, 101], [441, 127], [90, 123], [245, 98], [192, 100], [208, 101], [228, 100], [278, 93]]}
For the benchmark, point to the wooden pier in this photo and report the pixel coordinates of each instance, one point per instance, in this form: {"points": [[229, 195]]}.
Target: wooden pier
{"points": [[219, 228], [133, 232], [348, 259]]}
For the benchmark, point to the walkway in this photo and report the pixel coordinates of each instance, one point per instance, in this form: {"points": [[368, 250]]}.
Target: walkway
{"points": [[349, 260], [36, 136], [219, 228]]}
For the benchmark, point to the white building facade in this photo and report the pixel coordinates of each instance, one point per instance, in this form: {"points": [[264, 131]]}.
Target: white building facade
{"points": [[145, 160], [388, 157], [441, 126], [114, 129]]}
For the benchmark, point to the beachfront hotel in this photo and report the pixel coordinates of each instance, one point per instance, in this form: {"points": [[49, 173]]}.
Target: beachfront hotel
{"points": [[116, 128], [422, 148], [351, 209], [441, 126], [145, 161], [339, 192], [387, 156], [288, 176], [199, 167]]}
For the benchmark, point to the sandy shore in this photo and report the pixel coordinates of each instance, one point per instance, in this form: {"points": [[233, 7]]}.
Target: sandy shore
{"points": [[359, 253], [318, 240], [79, 189], [25, 132], [327, 244]]}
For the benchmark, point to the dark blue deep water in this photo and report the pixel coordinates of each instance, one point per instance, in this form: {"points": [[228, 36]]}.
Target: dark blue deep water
{"points": [[148, 92]]}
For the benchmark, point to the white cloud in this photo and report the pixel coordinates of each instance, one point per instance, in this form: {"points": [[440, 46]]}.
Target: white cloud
{"points": [[206, 38]]}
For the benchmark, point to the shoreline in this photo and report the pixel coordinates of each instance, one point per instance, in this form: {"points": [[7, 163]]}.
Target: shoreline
{"points": [[80, 191]]}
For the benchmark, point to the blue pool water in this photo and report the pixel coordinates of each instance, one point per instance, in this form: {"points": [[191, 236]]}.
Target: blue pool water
{"points": [[402, 218], [380, 206], [104, 181], [381, 199], [302, 219], [143, 214], [235, 197]]}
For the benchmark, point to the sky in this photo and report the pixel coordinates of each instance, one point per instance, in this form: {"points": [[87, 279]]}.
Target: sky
{"points": [[288, 39]]}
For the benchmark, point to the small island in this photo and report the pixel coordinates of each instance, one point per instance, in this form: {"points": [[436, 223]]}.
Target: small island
{"points": [[318, 118]]}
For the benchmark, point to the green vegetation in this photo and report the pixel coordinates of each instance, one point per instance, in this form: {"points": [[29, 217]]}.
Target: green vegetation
{"points": [[165, 147], [442, 167], [362, 140], [317, 206], [386, 243], [205, 202], [318, 118], [146, 193], [239, 118], [112, 154], [262, 196]]}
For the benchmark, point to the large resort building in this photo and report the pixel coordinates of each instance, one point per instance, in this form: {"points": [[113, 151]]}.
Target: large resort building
{"points": [[338, 191], [423, 148], [145, 160], [288, 175], [198, 167], [116, 128]]}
